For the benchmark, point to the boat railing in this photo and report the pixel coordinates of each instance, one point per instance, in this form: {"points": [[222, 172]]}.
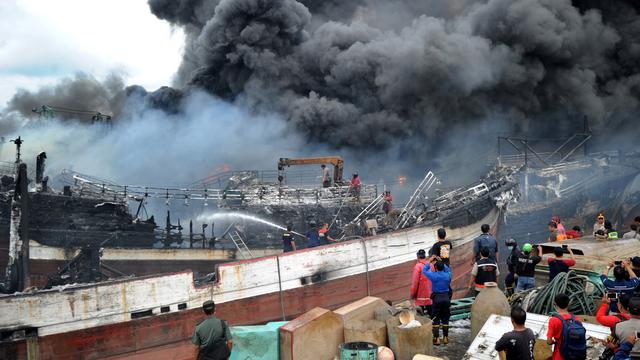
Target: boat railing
{"points": [[73, 236], [254, 195]]}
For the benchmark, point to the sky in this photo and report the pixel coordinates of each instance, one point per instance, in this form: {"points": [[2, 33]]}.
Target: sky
{"points": [[42, 41]]}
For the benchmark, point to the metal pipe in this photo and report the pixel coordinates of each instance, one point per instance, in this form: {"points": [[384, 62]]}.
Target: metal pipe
{"points": [[366, 265], [284, 318]]}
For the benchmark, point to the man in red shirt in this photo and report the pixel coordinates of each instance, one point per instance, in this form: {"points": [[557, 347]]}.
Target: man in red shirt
{"points": [[421, 285], [611, 321], [574, 233], [554, 334], [558, 263]]}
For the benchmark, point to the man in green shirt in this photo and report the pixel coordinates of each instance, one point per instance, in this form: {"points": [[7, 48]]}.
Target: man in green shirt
{"points": [[212, 337]]}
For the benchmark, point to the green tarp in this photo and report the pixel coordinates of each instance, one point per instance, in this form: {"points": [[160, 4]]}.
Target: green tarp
{"points": [[261, 342]]}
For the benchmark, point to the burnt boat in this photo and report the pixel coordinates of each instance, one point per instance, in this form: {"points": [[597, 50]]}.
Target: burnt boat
{"points": [[82, 234], [154, 316]]}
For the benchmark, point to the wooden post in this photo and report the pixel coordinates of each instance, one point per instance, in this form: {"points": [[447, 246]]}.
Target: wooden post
{"points": [[18, 265], [33, 349]]}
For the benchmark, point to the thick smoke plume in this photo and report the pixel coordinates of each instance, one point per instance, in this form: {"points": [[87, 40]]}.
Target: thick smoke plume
{"points": [[410, 79], [81, 92], [345, 78]]}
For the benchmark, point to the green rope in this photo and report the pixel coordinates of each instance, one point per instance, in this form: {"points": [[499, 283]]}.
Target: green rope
{"points": [[540, 300]]}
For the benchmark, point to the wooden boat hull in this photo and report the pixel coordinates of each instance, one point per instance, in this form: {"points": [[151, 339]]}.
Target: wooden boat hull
{"points": [[168, 336], [45, 260], [154, 317]]}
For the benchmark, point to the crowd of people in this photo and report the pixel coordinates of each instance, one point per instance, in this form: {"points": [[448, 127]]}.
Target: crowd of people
{"points": [[431, 291], [620, 309]]}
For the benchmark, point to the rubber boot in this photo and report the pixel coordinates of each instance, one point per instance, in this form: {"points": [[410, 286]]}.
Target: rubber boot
{"points": [[445, 334], [436, 335]]}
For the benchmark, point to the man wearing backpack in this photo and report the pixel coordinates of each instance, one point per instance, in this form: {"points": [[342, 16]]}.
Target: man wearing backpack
{"points": [[212, 338], [566, 332]]}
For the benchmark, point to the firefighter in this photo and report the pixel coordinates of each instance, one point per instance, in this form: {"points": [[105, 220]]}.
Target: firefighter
{"points": [[288, 243], [313, 237], [441, 310]]}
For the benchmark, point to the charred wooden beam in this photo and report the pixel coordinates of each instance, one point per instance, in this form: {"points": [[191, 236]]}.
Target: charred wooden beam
{"points": [[41, 182], [17, 272]]}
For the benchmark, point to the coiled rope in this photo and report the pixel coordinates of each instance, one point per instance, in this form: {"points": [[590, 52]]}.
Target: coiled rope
{"points": [[583, 297]]}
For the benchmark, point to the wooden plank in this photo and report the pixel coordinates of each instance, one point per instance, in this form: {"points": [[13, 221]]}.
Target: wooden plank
{"points": [[316, 334]]}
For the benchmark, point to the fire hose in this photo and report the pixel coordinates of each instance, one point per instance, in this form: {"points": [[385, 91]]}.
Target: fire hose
{"points": [[582, 297]]}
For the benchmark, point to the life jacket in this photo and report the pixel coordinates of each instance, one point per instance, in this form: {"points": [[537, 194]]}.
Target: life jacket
{"points": [[486, 272], [562, 234], [612, 234], [322, 234]]}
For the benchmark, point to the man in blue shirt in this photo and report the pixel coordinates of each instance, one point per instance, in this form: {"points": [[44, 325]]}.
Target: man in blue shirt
{"points": [[313, 236], [486, 240], [620, 284], [441, 310]]}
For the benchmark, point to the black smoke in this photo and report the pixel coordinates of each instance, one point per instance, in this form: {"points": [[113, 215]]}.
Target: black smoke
{"points": [[410, 74], [351, 81]]}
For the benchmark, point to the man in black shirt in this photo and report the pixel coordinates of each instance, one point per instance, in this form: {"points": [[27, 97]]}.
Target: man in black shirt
{"points": [[442, 248], [517, 344], [526, 268], [512, 262], [288, 242]]}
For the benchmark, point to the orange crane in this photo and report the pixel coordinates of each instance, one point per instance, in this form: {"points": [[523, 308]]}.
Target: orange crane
{"points": [[336, 161]]}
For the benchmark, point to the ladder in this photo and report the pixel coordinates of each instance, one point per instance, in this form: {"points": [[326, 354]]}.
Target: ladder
{"points": [[409, 209], [242, 247], [373, 206]]}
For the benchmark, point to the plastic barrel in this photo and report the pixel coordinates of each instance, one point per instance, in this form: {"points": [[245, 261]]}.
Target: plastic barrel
{"points": [[359, 351]]}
